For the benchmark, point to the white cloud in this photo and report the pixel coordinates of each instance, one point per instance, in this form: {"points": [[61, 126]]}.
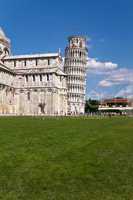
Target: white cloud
{"points": [[97, 67], [94, 94], [121, 76], [126, 92], [109, 75], [105, 83]]}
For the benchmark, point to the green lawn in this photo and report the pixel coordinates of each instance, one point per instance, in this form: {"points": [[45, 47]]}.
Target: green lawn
{"points": [[66, 159]]}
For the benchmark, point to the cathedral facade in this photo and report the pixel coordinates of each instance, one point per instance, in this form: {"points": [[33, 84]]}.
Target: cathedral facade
{"points": [[43, 84]]}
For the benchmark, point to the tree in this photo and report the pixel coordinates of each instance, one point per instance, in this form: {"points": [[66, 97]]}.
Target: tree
{"points": [[91, 105]]}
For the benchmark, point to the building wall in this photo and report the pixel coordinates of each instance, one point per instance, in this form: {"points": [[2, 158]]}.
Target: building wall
{"points": [[32, 61], [33, 89]]}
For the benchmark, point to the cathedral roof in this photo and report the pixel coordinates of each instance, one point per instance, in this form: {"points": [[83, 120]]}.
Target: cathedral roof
{"points": [[43, 55]]}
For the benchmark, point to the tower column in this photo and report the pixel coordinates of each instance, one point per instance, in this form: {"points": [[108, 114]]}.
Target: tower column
{"points": [[75, 68]]}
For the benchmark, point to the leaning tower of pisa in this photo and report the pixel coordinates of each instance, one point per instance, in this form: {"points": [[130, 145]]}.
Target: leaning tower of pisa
{"points": [[75, 67]]}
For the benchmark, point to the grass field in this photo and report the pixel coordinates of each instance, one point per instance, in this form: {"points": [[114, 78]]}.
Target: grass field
{"points": [[66, 159]]}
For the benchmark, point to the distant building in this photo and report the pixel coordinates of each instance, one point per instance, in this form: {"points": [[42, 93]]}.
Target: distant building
{"points": [[41, 84], [116, 102], [122, 105]]}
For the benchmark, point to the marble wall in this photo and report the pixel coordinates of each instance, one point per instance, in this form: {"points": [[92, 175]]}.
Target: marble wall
{"points": [[33, 86]]}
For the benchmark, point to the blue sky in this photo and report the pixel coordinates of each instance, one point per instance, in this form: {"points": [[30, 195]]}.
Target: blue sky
{"points": [[43, 26]]}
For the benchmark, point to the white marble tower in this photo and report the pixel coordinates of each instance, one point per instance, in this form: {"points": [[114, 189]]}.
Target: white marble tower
{"points": [[75, 67]]}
